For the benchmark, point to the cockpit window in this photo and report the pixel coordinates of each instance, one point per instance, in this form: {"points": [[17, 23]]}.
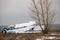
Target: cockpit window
{"points": [[9, 28]]}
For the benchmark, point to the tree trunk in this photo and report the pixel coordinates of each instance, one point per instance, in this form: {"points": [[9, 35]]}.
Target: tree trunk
{"points": [[46, 30]]}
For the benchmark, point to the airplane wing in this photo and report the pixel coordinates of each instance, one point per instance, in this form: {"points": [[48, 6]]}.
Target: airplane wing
{"points": [[26, 28]]}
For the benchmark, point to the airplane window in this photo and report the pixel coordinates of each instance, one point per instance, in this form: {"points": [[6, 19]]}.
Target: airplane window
{"points": [[11, 28], [33, 25], [23, 27]]}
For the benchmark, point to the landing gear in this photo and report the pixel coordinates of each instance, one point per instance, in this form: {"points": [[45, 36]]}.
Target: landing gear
{"points": [[4, 31]]}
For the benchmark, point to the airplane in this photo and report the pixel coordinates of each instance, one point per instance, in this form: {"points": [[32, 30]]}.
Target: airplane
{"points": [[19, 28]]}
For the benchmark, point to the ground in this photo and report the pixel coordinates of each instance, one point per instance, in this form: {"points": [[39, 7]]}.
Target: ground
{"points": [[31, 36]]}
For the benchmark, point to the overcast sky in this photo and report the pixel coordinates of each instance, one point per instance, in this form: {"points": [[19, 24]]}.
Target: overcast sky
{"points": [[16, 11]]}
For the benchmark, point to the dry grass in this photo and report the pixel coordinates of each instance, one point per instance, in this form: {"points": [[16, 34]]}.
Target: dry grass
{"points": [[23, 35], [7, 36]]}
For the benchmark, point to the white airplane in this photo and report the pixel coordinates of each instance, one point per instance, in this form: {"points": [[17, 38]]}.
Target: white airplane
{"points": [[19, 28]]}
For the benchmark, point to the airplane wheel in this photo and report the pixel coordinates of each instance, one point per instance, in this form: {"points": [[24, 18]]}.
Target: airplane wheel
{"points": [[4, 32]]}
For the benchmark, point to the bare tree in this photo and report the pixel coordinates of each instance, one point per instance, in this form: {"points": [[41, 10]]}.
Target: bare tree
{"points": [[43, 12]]}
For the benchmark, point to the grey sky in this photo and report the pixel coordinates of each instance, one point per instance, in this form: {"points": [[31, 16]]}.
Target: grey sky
{"points": [[16, 11]]}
